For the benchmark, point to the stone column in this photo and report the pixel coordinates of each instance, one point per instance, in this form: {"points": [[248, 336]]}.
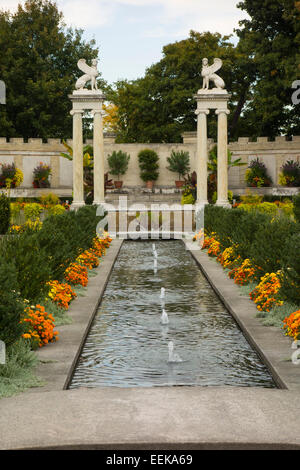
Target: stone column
{"points": [[98, 158], [78, 193], [222, 158], [202, 156]]}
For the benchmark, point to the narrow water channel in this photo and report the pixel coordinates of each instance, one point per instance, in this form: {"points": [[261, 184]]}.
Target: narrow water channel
{"points": [[128, 346]]}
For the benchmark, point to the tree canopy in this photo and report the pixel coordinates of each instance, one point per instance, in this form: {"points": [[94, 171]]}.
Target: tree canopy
{"points": [[271, 40], [258, 71], [160, 106], [38, 64]]}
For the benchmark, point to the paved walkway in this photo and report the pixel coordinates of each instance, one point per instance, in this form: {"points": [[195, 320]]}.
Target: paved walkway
{"points": [[156, 418]]}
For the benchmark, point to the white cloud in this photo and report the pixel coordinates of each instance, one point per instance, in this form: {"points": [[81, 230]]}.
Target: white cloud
{"points": [[172, 17]]}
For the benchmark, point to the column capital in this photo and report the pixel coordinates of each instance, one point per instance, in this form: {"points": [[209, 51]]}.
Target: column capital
{"points": [[98, 111], [202, 111], [220, 111], [76, 111]]}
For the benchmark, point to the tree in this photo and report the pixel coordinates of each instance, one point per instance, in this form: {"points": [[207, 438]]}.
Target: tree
{"points": [[271, 39], [38, 64], [159, 107]]}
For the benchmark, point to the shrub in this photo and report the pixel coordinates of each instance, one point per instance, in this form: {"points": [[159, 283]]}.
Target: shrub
{"points": [[297, 207], [290, 289], [118, 163], [267, 249], [148, 163], [56, 210], [264, 207], [179, 162], [187, 198], [33, 211], [31, 262], [11, 305], [15, 212], [5, 214], [66, 235], [49, 200]]}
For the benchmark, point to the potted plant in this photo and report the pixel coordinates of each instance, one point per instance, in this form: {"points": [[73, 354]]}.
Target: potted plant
{"points": [[41, 176], [11, 176], [179, 162], [148, 163], [256, 175], [290, 174], [118, 164]]}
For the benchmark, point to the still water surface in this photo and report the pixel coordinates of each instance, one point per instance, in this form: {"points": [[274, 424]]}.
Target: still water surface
{"points": [[128, 347]]}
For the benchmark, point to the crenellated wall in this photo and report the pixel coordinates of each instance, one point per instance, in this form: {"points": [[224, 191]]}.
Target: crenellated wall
{"points": [[28, 155]]}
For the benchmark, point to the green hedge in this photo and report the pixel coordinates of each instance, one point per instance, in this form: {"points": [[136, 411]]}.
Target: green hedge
{"points": [[11, 306], [44, 255], [260, 237]]}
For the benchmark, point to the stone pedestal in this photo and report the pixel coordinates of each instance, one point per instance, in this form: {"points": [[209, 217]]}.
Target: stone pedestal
{"points": [[87, 100], [212, 99]]}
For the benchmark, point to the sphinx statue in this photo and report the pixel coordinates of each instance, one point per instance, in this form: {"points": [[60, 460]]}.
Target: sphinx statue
{"points": [[208, 74], [90, 75]]}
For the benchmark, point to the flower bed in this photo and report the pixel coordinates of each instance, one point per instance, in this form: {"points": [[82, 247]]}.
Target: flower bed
{"points": [[271, 266]]}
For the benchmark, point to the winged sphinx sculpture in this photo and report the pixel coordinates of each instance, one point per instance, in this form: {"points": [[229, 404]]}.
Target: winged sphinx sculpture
{"points": [[208, 74], [90, 74]]}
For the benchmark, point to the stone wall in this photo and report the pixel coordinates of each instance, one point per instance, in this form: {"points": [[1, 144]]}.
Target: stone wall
{"points": [[28, 155]]}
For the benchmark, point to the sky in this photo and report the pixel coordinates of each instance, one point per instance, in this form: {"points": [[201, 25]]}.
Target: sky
{"points": [[131, 33]]}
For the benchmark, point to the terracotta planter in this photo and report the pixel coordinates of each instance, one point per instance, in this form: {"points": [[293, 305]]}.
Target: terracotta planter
{"points": [[149, 184], [179, 184], [118, 184]]}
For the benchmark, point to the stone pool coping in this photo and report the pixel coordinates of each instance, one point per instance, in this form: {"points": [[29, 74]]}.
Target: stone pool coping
{"points": [[272, 345], [58, 360]]}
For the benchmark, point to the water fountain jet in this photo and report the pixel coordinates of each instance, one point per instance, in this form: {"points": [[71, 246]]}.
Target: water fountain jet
{"points": [[173, 357]]}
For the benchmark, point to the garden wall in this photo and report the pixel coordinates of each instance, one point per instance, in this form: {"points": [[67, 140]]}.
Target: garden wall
{"points": [[28, 155]]}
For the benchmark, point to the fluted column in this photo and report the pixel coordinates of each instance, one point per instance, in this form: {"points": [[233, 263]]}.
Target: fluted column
{"points": [[222, 158], [99, 197], [78, 193], [202, 156]]}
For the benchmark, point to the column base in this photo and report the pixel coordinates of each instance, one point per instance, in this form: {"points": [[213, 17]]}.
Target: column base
{"points": [[224, 203], [98, 203], [76, 205], [201, 203]]}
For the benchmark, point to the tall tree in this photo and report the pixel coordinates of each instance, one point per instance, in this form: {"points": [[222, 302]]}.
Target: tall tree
{"points": [[38, 63], [160, 106], [271, 38]]}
